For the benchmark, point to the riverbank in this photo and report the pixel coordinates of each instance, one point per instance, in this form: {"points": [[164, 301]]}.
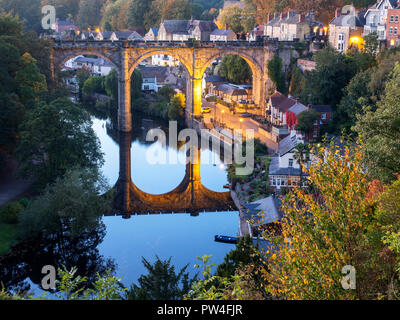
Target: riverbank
{"points": [[12, 186]]}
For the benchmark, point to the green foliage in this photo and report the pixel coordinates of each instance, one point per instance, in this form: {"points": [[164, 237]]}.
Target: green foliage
{"points": [[93, 85], [8, 236], [30, 12], [306, 119], [136, 84], [276, 75], [111, 85], [9, 212], [74, 203], [298, 83], [176, 109], [137, 11], [161, 283], [371, 43], [244, 254], [235, 69], [166, 92], [89, 14], [71, 286], [332, 74], [56, 137], [381, 132]]}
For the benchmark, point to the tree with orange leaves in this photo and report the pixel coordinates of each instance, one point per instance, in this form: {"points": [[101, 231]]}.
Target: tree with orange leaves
{"points": [[336, 227]]}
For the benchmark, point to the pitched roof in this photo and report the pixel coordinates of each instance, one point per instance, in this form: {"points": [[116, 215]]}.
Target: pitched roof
{"points": [[128, 35], [174, 26], [288, 144], [281, 102], [160, 73], [221, 32], [204, 25], [322, 108], [347, 20], [298, 108], [263, 212], [231, 89], [294, 172]]}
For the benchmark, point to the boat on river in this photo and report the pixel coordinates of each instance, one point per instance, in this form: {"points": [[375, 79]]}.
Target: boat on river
{"points": [[225, 239]]}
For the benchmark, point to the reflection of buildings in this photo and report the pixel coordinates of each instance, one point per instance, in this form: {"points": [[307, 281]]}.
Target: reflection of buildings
{"points": [[190, 196]]}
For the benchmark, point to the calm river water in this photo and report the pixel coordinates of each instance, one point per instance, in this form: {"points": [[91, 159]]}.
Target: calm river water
{"points": [[179, 236], [121, 243]]}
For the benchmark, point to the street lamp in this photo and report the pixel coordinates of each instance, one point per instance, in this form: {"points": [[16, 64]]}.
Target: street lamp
{"points": [[223, 111], [241, 121]]}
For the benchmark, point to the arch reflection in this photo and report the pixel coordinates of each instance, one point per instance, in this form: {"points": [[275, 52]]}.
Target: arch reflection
{"points": [[190, 196]]}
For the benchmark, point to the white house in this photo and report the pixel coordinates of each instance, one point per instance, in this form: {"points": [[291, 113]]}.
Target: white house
{"points": [[164, 60], [223, 35], [96, 66], [376, 17], [284, 170]]}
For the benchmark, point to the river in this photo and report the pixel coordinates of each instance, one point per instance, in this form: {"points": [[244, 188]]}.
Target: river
{"points": [[121, 243], [179, 236]]}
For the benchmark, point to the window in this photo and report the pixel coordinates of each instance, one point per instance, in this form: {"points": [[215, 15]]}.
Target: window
{"points": [[391, 30], [290, 163], [323, 116], [395, 30], [391, 18], [396, 19]]}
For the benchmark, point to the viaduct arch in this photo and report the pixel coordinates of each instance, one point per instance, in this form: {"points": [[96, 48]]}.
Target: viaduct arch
{"points": [[194, 56]]}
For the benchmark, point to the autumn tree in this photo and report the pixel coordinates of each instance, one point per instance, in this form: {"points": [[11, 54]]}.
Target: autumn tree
{"points": [[322, 233]]}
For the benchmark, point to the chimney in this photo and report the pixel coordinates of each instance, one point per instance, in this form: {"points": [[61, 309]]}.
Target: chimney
{"points": [[338, 12], [283, 15], [302, 18], [276, 15]]}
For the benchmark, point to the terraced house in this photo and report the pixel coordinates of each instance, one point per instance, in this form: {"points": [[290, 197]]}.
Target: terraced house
{"points": [[288, 26]]}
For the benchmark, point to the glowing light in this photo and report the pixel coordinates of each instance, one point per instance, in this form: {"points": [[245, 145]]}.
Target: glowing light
{"points": [[356, 40], [221, 166], [98, 30]]}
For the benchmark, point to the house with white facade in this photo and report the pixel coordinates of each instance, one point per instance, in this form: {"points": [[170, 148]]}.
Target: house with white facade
{"points": [[154, 78], [285, 171], [183, 30], [96, 66], [223, 35], [164, 60], [376, 18]]}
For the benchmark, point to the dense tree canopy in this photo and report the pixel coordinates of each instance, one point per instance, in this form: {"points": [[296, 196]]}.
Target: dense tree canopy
{"points": [[56, 137], [380, 130], [235, 69]]}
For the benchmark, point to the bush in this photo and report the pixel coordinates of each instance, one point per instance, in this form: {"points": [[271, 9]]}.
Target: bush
{"points": [[9, 213]]}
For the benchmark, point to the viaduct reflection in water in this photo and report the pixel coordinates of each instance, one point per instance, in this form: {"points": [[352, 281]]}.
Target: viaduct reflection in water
{"points": [[189, 197]]}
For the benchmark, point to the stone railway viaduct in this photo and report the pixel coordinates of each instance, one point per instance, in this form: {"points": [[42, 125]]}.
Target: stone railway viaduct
{"points": [[190, 196], [194, 56]]}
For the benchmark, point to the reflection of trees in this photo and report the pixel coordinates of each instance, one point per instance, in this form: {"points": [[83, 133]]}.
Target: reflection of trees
{"points": [[27, 258]]}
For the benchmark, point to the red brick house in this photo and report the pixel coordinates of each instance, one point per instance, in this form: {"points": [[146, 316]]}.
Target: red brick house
{"points": [[393, 28]]}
